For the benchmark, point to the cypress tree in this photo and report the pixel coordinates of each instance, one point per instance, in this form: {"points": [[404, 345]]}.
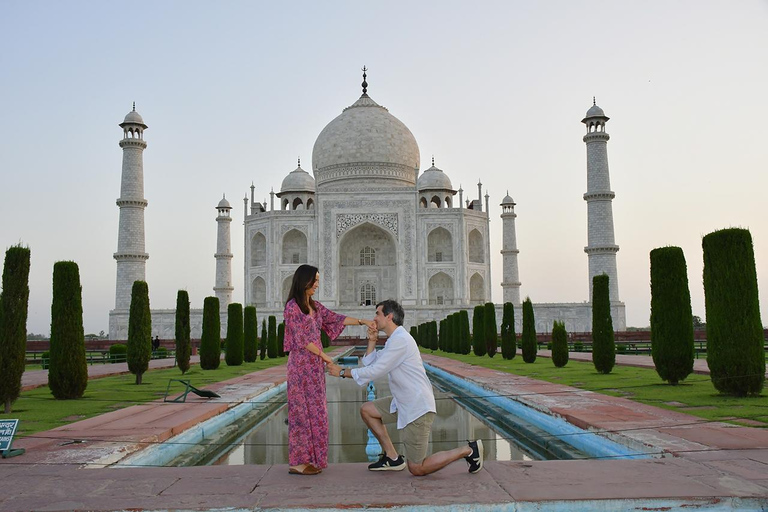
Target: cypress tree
{"points": [[452, 338], [508, 337], [528, 339], [466, 342], [272, 337], [442, 336], [325, 340], [414, 331], [603, 346], [491, 335], [250, 334], [235, 349], [68, 369], [423, 335], [263, 340], [14, 306], [210, 339], [457, 344], [478, 330], [559, 344], [734, 332], [183, 343], [280, 339], [139, 346], [672, 345]]}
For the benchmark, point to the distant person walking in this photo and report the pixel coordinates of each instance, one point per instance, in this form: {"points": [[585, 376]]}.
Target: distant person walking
{"points": [[307, 411], [412, 404]]}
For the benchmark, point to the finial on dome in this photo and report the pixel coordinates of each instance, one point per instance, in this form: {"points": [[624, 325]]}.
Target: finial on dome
{"points": [[134, 106], [365, 84], [299, 161], [593, 101], [433, 160]]}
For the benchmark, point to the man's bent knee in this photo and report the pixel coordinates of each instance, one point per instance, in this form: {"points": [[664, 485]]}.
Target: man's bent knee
{"points": [[416, 469], [369, 410]]}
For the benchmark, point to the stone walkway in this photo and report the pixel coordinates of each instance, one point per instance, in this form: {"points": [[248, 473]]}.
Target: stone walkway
{"points": [[708, 466]]}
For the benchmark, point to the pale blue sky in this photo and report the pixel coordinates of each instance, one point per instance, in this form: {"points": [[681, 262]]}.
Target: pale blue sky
{"points": [[234, 92]]}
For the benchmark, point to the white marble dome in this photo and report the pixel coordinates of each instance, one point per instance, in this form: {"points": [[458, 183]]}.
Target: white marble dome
{"points": [[594, 111], [133, 117], [298, 180], [365, 141], [224, 204], [434, 179]]}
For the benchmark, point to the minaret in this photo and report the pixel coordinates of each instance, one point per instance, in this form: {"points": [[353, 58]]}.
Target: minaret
{"points": [[130, 256], [509, 252], [601, 246], [223, 288]]}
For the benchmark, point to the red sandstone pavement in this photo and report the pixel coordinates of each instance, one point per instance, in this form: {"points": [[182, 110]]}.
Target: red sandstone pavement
{"points": [[707, 464]]}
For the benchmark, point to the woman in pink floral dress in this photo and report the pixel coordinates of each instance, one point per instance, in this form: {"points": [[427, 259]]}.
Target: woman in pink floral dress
{"points": [[307, 411]]}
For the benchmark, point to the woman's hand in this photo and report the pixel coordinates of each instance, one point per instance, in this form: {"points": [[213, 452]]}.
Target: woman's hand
{"points": [[368, 323]]}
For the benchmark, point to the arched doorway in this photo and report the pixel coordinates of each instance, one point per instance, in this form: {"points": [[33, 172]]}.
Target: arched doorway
{"points": [[367, 266]]}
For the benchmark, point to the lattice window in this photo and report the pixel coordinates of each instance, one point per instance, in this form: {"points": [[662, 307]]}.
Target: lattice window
{"points": [[367, 295], [367, 256]]}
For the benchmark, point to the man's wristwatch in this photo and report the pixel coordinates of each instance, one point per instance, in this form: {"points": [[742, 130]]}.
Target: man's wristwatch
{"points": [[343, 373]]}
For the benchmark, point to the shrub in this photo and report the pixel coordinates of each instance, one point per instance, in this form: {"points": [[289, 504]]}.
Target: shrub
{"points": [[559, 344], [182, 338], [603, 346], [272, 337], [441, 336], [139, 331], [118, 353], [491, 335], [433, 335], [263, 340], [478, 330], [578, 346], [235, 350], [508, 336], [45, 359], [250, 334], [455, 327], [14, 306], [466, 340], [672, 345], [414, 331], [280, 339], [734, 332], [528, 342], [325, 340], [210, 339], [161, 353], [621, 348]]}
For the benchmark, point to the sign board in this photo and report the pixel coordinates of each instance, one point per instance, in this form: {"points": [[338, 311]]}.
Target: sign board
{"points": [[7, 431]]}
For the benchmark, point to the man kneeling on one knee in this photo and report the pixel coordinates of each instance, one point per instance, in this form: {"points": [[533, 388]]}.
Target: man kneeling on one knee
{"points": [[412, 404]]}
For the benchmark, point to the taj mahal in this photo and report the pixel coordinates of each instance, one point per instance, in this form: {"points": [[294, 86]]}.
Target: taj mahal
{"points": [[375, 226]]}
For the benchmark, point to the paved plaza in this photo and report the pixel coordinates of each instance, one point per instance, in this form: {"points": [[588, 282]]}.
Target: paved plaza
{"points": [[707, 465]]}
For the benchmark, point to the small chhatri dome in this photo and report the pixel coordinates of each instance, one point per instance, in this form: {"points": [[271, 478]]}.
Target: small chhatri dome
{"points": [[434, 179], [224, 203], [595, 111], [298, 180], [508, 201], [133, 117]]}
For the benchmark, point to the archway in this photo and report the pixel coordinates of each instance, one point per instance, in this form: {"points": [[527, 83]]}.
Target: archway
{"points": [[367, 256]]}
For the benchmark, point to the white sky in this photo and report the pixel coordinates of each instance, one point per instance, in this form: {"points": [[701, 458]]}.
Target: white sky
{"points": [[234, 92]]}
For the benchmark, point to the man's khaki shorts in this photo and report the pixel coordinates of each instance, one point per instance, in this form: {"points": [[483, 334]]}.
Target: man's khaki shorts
{"points": [[415, 435]]}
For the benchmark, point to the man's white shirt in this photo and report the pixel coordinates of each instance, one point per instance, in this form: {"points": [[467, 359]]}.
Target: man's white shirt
{"points": [[412, 395]]}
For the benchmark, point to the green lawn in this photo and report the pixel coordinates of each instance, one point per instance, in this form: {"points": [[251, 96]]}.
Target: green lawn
{"points": [[38, 410], [695, 396]]}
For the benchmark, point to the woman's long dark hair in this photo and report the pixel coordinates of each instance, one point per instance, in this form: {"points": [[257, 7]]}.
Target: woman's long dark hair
{"points": [[303, 280]]}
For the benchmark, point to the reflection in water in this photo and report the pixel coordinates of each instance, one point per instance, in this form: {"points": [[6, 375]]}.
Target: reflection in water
{"points": [[267, 443]]}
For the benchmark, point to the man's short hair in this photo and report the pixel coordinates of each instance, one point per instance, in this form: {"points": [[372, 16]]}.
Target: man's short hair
{"points": [[390, 306]]}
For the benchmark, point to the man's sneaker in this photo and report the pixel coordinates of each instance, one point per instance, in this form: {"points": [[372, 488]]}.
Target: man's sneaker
{"points": [[475, 459], [386, 464]]}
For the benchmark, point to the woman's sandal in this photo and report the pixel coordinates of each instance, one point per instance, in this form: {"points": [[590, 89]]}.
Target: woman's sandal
{"points": [[309, 469]]}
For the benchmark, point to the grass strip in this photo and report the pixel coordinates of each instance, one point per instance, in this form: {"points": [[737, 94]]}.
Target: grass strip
{"points": [[39, 411], [695, 396]]}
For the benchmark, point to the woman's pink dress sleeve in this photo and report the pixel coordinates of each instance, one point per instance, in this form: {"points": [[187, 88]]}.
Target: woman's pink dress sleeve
{"points": [[332, 323]]}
